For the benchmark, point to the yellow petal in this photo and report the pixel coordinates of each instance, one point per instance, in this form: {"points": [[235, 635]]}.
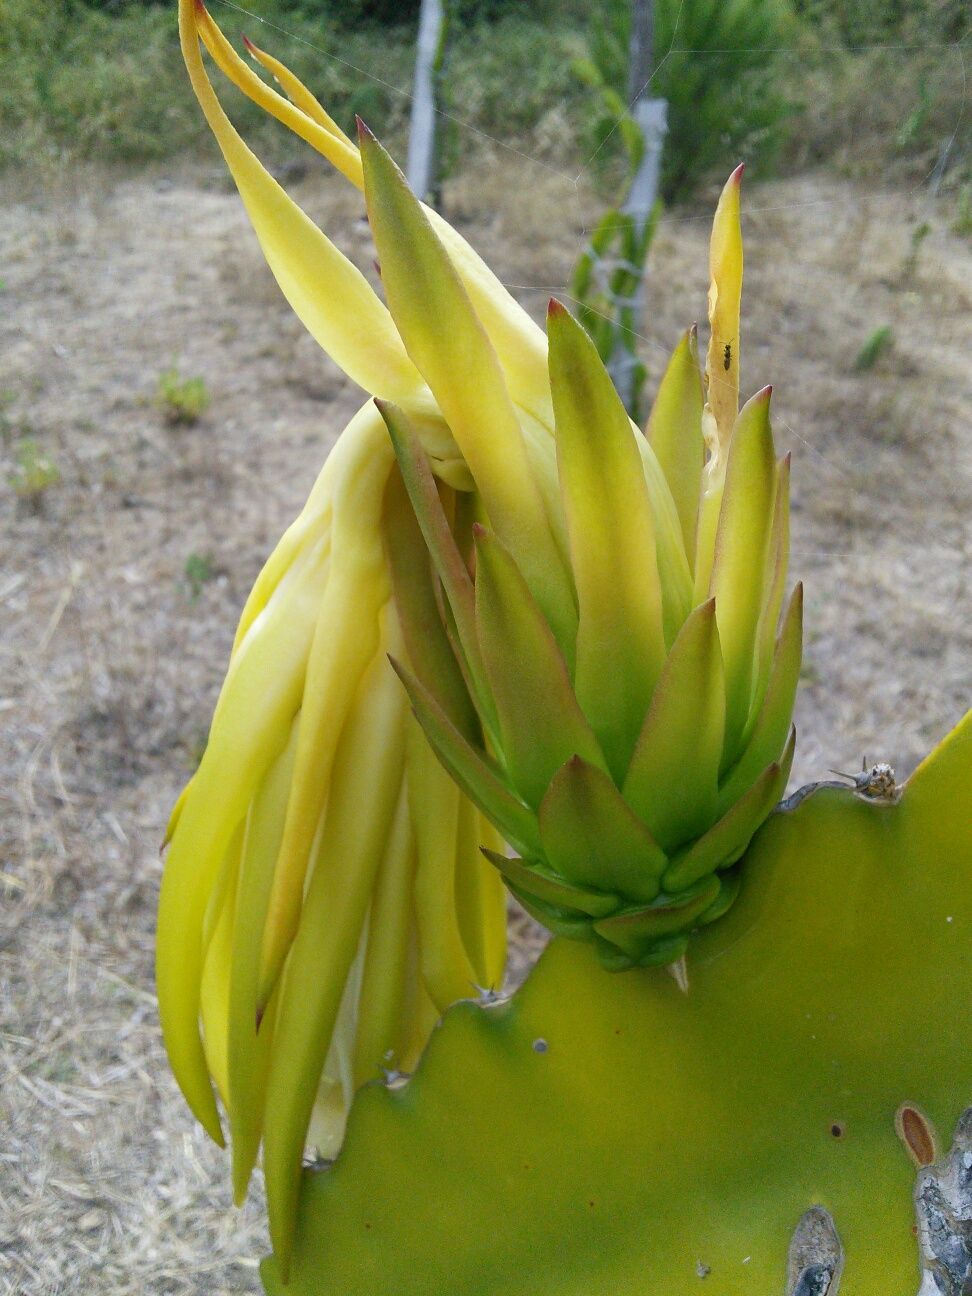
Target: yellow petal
{"points": [[298, 93], [345, 640], [433, 801], [249, 1037], [383, 978], [329, 295], [304, 116], [364, 791], [217, 968], [314, 519], [480, 897], [257, 706], [519, 342]]}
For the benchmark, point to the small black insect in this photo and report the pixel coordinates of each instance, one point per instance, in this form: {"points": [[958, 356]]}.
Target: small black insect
{"points": [[727, 357]]}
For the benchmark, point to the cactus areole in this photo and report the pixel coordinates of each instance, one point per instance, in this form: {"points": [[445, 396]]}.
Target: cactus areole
{"points": [[514, 639]]}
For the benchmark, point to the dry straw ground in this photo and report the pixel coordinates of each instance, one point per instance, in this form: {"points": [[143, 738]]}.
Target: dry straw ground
{"points": [[110, 662]]}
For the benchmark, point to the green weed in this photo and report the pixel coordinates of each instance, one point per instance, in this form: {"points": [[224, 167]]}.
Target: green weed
{"points": [[181, 400], [198, 571], [874, 348], [962, 224], [33, 475], [918, 236]]}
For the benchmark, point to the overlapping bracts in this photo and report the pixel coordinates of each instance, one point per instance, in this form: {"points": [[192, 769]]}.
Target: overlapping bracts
{"points": [[633, 698]]}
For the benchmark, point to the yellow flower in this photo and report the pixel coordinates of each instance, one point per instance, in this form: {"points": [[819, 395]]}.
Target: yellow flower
{"points": [[325, 896]]}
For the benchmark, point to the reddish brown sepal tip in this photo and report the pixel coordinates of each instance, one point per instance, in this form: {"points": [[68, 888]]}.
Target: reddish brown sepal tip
{"points": [[555, 307], [737, 175], [364, 131], [248, 43]]}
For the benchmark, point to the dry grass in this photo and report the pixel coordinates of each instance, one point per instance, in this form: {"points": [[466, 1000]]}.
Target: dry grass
{"points": [[109, 667]]}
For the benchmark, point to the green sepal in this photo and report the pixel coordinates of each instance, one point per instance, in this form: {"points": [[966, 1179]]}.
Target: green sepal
{"points": [[673, 566], [416, 471], [672, 781], [540, 723], [620, 633], [663, 952], [631, 1131], [777, 560], [562, 922], [674, 432], [429, 649], [638, 932], [530, 877], [773, 722], [723, 844], [594, 839], [449, 346], [730, 880], [471, 769], [739, 565]]}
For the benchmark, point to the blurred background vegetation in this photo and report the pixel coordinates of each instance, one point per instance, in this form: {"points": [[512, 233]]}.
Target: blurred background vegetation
{"points": [[876, 87]]}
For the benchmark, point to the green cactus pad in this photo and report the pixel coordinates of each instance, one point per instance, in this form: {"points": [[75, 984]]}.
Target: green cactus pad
{"points": [[612, 1135]]}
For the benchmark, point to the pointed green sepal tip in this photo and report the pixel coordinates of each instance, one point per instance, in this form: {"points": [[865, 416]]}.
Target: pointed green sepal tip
{"points": [[592, 837], [471, 769], [672, 780], [727, 840], [639, 932], [534, 880], [540, 722], [772, 723], [561, 922]]}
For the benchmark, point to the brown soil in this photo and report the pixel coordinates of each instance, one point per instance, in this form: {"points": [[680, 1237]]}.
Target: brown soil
{"points": [[110, 660]]}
